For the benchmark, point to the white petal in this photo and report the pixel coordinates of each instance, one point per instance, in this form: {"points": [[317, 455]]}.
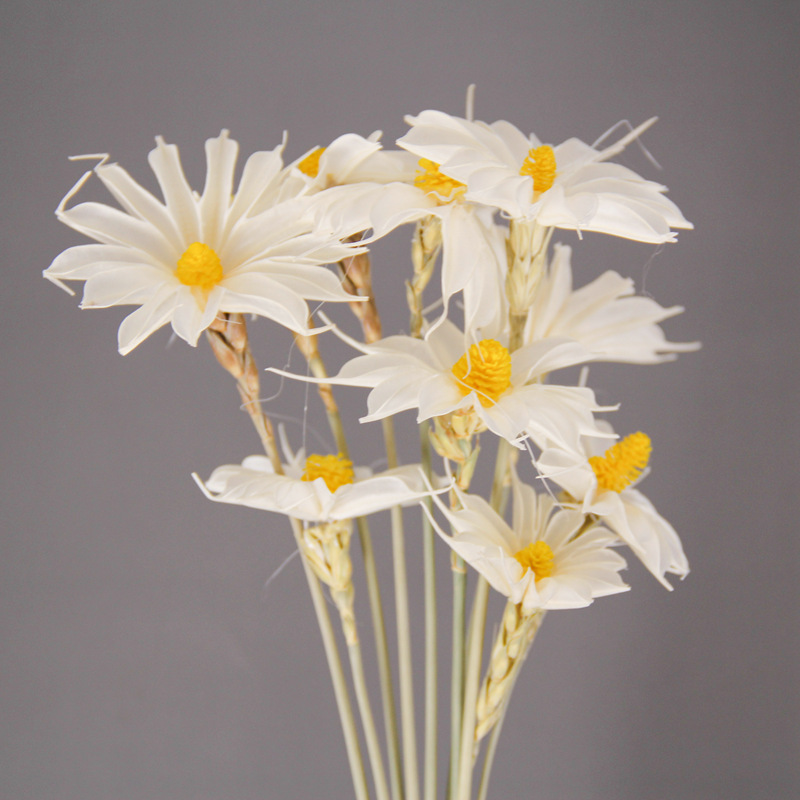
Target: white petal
{"points": [[180, 201], [110, 226], [139, 202], [256, 293], [221, 156], [258, 175], [128, 284], [157, 311]]}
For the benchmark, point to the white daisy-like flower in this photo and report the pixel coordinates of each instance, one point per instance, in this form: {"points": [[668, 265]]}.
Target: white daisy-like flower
{"points": [[569, 185], [544, 560], [448, 372], [193, 256], [602, 481], [351, 159], [604, 316], [378, 190], [315, 488]]}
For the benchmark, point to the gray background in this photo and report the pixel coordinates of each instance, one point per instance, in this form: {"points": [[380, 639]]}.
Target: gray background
{"points": [[142, 656]]}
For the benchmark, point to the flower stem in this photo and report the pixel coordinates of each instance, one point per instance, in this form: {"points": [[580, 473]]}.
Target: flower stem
{"points": [[403, 631], [227, 336], [459, 571], [473, 670], [231, 346], [425, 247], [367, 721], [494, 738], [384, 662], [308, 346], [337, 673], [431, 688]]}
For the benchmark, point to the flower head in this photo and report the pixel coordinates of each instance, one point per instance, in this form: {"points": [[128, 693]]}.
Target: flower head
{"points": [[570, 185], [315, 488], [193, 256], [602, 480], [448, 372], [604, 316], [546, 559]]}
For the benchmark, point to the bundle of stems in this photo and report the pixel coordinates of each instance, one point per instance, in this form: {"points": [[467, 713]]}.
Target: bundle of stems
{"points": [[477, 708]]}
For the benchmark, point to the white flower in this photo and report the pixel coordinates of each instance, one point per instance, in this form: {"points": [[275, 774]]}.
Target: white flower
{"points": [[380, 190], [192, 257], [320, 488], [604, 316], [541, 561], [448, 372], [569, 185], [351, 159], [602, 483]]}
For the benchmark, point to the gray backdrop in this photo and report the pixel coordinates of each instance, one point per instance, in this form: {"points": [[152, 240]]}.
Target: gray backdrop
{"points": [[142, 655]]}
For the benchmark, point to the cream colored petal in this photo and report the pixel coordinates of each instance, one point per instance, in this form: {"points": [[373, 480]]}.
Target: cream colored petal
{"points": [[128, 284], [221, 156], [110, 226], [138, 202], [178, 196], [157, 311]]}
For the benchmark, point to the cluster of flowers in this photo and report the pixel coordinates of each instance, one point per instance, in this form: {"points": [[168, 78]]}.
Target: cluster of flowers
{"points": [[485, 200], [261, 250]]}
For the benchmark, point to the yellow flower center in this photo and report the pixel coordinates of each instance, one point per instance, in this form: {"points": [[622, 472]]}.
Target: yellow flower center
{"points": [[431, 181], [199, 266], [310, 164], [540, 164], [623, 463], [486, 369], [336, 471], [538, 558]]}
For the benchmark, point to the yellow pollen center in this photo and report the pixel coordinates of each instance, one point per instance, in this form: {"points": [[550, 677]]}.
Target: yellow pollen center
{"points": [[538, 558], [199, 266], [486, 369], [431, 181], [310, 164], [540, 164], [336, 471], [623, 463]]}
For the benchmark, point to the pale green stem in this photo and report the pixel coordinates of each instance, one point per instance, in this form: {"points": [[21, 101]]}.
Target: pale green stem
{"points": [[494, 737], [431, 644], [337, 673], [477, 628], [367, 721], [384, 662], [317, 367], [232, 349], [500, 469], [471, 684], [411, 782], [459, 571], [464, 474]]}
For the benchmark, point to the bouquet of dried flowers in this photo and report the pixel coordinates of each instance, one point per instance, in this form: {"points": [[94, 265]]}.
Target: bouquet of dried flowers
{"points": [[481, 367]]}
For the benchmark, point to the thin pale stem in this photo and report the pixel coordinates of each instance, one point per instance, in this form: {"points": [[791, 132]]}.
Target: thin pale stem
{"points": [[337, 673], [308, 347], [227, 336], [357, 279], [468, 749], [384, 662], [230, 344], [407, 721], [464, 472], [431, 644], [459, 571], [367, 721], [494, 736], [471, 683]]}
